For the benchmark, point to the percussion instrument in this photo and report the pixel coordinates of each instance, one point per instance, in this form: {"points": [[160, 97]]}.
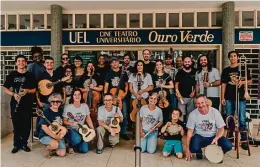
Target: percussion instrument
{"points": [[214, 153]]}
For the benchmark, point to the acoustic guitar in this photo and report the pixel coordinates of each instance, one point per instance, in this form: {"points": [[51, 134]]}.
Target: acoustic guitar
{"points": [[46, 87], [163, 102], [136, 108], [114, 123], [205, 79], [54, 126], [86, 133]]}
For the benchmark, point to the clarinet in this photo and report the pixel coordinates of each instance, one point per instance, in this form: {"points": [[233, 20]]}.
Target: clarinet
{"points": [[20, 93]]}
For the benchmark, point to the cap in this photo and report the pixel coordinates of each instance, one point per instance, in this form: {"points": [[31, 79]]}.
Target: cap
{"points": [[168, 56], [114, 59]]}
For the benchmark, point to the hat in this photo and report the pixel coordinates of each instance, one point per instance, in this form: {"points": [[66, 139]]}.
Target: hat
{"points": [[168, 56]]}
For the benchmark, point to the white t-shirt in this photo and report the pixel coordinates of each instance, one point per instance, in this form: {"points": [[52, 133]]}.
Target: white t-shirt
{"points": [[205, 125], [146, 81], [104, 115], [150, 118], [76, 114]]}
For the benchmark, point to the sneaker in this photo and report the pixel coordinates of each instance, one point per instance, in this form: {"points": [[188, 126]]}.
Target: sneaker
{"points": [[35, 136], [15, 149], [99, 151], [199, 155], [124, 136], [244, 146], [26, 148], [71, 151]]}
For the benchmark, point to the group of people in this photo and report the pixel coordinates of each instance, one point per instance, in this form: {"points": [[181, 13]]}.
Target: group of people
{"points": [[172, 96]]}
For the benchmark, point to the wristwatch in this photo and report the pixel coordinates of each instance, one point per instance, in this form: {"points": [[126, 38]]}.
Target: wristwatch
{"points": [[210, 84]]}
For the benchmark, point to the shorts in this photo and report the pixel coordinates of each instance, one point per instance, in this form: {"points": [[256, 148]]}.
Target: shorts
{"points": [[46, 140], [172, 146]]}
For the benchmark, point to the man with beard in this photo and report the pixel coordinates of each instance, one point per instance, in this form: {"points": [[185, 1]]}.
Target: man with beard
{"points": [[204, 68], [112, 80], [169, 69], [230, 82], [60, 71], [179, 62], [148, 65], [185, 87], [126, 64]]}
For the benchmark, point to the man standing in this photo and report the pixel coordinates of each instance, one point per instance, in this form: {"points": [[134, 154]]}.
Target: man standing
{"points": [[205, 126], [148, 65], [210, 84], [231, 79], [126, 64], [169, 69], [23, 84], [112, 81], [185, 87], [179, 62], [60, 71], [102, 68]]}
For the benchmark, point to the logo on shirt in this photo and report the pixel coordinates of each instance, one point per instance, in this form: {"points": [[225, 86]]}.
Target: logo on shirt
{"points": [[233, 78], [115, 81], [149, 119], [58, 120], [69, 90], [79, 117], [19, 79], [206, 125]]}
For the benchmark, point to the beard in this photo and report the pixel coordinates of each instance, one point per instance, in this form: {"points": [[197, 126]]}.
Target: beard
{"points": [[187, 67], [204, 64]]}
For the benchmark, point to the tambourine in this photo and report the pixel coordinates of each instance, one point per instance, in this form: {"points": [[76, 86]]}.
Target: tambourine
{"points": [[174, 129], [214, 153]]}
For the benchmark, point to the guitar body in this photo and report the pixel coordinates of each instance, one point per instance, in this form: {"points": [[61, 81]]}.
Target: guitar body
{"points": [[114, 124], [163, 102], [136, 109], [86, 133], [44, 89], [117, 98], [57, 129]]}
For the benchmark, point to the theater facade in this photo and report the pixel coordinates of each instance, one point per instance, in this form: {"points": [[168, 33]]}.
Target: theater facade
{"points": [[89, 29]]}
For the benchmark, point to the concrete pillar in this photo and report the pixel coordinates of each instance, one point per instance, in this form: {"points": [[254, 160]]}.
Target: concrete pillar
{"points": [[228, 31], [6, 122], [56, 34]]}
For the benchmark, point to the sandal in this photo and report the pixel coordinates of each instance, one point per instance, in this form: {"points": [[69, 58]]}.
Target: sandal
{"points": [[47, 154]]}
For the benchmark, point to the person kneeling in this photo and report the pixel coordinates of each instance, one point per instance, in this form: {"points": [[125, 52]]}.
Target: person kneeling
{"points": [[47, 137], [76, 114], [208, 127], [105, 114], [173, 132], [151, 118]]}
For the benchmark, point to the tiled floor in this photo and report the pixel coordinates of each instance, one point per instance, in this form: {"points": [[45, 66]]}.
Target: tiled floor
{"points": [[120, 156]]}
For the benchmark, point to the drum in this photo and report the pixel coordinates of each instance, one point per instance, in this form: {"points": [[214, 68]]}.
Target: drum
{"points": [[214, 153], [173, 129]]}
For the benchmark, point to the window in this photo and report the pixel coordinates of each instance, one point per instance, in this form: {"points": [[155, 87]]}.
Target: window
{"points": [[120, 20], [187, 19], [216, 19], [247, 18], [134, 20], [237, 18], [94, 21], [173, 19], [108, 21], [202, 19], [2, 22], [38, 21], [67, 21], [258, 18], [147, 20], [48, 21], [25, 21], [80, 21], [160, 19]]}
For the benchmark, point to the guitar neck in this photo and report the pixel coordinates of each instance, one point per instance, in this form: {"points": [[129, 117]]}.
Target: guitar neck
{"points": [[46, 120], [54, 83]]}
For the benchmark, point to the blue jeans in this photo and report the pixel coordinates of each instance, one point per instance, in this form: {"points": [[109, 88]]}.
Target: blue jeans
{"points": [[215, 102], [174, 100], [149, 143], [76, 141], [230, 110], [124, 112], [197, 142], [46, 140]]}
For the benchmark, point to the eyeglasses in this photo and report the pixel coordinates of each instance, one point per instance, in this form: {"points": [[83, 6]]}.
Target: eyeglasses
{"points": [[56, 102], [65, 58], [68, 71], [107, 99]]}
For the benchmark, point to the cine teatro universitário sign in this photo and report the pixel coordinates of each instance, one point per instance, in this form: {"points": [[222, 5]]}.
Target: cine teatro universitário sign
{"points": [[128, 37]]}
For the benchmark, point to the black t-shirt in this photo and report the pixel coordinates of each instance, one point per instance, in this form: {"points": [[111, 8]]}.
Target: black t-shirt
{"points": [[230, 76], [96, 80], [176, 136], [103, 71], [112, 78], [164, 79], [51, 116], [186, 82], [60, 71], [68, 88], [149, 68], [16, 80], [57, 87]]}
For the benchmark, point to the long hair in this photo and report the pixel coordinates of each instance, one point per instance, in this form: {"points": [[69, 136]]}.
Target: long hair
{"points": [[135, 71], [155, 70], [199, 66], [71, 97], [86, 66]]}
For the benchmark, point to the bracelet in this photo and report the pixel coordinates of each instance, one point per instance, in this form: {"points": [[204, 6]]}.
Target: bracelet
{"points": [[211, 84]]}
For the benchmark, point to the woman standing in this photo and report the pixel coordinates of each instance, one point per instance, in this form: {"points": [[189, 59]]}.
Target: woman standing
{"points": [[77, 112], [162, 84], [78, 71], [67, 85]]}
